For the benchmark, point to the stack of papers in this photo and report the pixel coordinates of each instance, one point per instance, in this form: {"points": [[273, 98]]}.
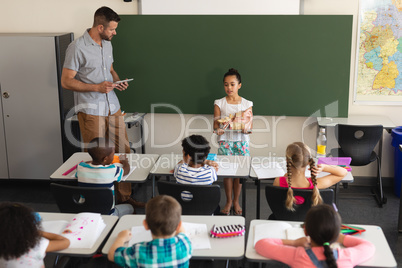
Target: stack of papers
{"points": [[82, 231]]}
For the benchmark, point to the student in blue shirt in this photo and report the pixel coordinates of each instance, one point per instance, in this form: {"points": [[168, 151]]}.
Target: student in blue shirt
{"points": [[169, 247]]}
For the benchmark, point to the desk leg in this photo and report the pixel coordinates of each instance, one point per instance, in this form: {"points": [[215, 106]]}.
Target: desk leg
{"points": [[258, 197], [153, 186], [336, 193], [244, 196], [142, 136]]}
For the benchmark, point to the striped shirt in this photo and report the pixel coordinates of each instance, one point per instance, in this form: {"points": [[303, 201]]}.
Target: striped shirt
{"points": [[90, 175], [170, 252], [184, 174]]}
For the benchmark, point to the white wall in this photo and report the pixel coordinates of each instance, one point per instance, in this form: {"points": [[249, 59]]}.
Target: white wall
{"points": [[271, 134]]}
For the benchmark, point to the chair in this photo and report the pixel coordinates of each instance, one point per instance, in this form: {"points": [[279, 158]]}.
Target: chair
{"points": [[358, 142], [205, 200], [76, 199], [276, 197]]}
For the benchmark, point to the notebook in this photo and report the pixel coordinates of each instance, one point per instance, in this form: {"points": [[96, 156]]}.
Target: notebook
{"points": [[278, 229], [82, 231]]}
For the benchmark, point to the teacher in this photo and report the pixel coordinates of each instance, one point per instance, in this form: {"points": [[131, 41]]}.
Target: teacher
{"points": [[88, 71]]}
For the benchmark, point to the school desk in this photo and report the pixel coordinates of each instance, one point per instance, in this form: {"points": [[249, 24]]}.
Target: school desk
{"points": [[143, 163], [221, 248], [383, 256], [270, 163], [131, 119], [110, 222], [167, 162]]}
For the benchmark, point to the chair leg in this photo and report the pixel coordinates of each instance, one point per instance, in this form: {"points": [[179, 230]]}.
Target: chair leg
{"points": [[379, 193]]}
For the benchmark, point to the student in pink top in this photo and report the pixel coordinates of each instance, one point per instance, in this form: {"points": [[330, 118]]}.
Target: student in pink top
{"points": [[322, 228], [298, 156]]}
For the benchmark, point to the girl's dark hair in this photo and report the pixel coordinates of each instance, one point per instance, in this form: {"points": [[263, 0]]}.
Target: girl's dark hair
{"points": [[19, 228], [298, 156], [234, 72], [197, 147], [323, 225]]}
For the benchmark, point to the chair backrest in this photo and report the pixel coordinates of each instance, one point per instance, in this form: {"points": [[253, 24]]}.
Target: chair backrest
{"points": [[276, 197], [205, 199], [76, 199], [358, 142]]}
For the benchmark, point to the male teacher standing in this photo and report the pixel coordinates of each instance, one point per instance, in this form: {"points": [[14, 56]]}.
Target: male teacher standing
{"points": [[88, 71]]}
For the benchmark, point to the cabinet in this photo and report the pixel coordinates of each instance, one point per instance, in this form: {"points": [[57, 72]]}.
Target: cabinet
{"points": [[33, 105]]}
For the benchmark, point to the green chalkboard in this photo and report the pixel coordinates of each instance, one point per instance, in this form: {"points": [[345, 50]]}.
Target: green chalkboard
{"points": [[290, 65]]}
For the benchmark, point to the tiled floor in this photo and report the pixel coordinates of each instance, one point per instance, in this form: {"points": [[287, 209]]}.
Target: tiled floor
{"points": [[355, 206]]}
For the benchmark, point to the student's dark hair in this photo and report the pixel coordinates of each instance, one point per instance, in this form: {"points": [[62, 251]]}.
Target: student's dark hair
{"points": [[323, 225], [163, 215], [197, 147], [298, 156], [104, 15], [19, 230], [99, 148], [234, 72]]}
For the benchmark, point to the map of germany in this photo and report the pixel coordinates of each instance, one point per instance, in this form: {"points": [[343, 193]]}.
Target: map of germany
{"points": [[379, 70]]}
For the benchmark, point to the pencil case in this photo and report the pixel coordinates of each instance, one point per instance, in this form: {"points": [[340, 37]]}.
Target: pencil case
{"points": [[231, 230]]}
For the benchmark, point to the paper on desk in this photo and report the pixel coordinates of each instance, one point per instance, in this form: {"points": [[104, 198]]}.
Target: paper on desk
{"points": [[273, 170], [132, 168], [227, 169], [139, 234], [198, 235], [276, 169], [54, 227], [277, 229], [196, 232], [82, 231]]}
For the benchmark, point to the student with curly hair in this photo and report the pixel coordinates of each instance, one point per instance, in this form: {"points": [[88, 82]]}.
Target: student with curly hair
{"points": [[23, 243], [322, 227], [195, 168], [298, 156]]}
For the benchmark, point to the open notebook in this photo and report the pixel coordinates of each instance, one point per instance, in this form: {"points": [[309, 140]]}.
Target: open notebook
{"points": [[82, 231], [196, 232], [278, 229]]}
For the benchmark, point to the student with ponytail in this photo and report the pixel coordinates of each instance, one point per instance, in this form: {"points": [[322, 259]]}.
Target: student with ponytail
{"points": [[298, 157], [322, 227]]}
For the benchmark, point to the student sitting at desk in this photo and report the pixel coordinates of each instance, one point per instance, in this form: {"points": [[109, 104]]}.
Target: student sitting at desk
{"points": [[194, 168], [22, 242], [169, 248], [322, 227], [100, 172], [298, 156]]}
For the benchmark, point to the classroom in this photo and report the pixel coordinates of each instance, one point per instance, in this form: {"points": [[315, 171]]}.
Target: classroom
{"points": [[163, 132]]}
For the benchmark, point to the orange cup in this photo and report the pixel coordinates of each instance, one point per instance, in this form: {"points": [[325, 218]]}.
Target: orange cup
{"points": [[116, 159]]}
